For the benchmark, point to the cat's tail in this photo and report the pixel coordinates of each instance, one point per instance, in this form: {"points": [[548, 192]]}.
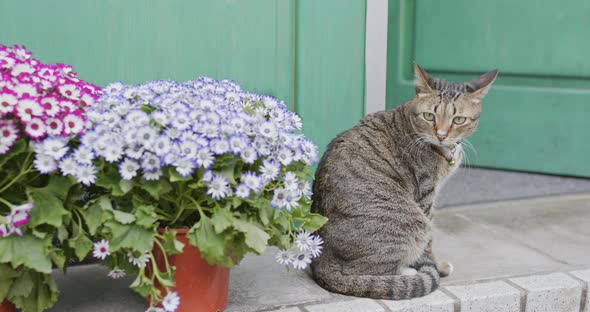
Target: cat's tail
{"points": [[397, 287]]}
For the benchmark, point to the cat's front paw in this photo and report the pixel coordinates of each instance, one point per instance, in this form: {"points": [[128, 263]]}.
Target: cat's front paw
{"points": [[444, 268]]}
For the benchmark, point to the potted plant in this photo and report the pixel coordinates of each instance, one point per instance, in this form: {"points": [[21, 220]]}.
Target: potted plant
{"points": [[37, 102], [177, 172]]}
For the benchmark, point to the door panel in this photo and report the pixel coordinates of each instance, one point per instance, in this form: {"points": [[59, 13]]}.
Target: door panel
{"points": [[537, 115], [134, 41]]}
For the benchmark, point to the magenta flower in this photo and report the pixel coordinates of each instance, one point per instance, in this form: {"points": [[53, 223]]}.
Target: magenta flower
{"points": [[42, 99]]}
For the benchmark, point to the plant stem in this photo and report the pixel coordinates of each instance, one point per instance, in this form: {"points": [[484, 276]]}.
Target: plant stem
{"points": [[7, 203]]}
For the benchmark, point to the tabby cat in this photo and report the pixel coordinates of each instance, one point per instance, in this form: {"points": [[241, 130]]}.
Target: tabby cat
{"points": [[377, 183]]}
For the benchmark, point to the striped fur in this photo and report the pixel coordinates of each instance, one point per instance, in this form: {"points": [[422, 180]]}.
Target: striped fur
{"points": [[376, 183]]}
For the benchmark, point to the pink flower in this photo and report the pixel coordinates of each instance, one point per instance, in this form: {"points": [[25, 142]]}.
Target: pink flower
{"points": [[20, 215], [73, 124], [35, 128]]}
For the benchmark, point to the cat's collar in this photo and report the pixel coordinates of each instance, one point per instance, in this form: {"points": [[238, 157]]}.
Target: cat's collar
{"points": [[451, 152]]}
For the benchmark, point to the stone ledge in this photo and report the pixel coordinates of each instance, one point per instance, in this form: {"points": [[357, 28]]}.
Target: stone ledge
{"points": [[559, 292]]}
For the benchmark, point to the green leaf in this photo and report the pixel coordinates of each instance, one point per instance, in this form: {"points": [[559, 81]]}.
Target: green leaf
{"points": [[170, 244], [58, 257], [256, 238], [125, 186], [123, 217], [314, 222], [42, 296], [130, 236], [175, 176], [62, 233], [26, 250], [142, 285], [48, 208], [18, 148], [22, 286], [7, 276], [95, 213], [146, 216], [81, 245], [109, 179], [156, 188], [210, 244], [221, 219]]}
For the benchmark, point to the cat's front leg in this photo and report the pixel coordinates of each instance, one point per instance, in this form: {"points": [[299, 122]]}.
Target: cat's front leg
{"points": [[444, 268]]}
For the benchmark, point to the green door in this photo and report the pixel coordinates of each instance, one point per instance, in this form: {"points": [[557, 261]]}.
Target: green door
{"points": [[537, 115], [304, 52]]}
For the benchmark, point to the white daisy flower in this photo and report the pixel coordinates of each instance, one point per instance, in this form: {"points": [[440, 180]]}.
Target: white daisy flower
{"points": [[171, 301], [181, 122], [249, 155], [117, 274], [150, 162], [279, 198], [205, 158], [207, 176], [140, 261], [162, 145], [68, 166], [303, 240], [128, 169], [269, 170], [101, 249], [252, 181], [86, 174], [184, 166], [218, 187], [55, 147], [146, 136], [135, 151], [285, 156], [220, 146], [315, 247], [26, 109], [285, 257], [113, 152], [152, 175], [45, 163], [302, 260], [291, 200], [268, 129], [188, 149], [242, 191], [84, 155], [296, 121]]}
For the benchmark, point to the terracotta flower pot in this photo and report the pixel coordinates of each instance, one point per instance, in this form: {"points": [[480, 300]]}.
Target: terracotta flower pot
{"points": [[7, 306], [201, 287]]}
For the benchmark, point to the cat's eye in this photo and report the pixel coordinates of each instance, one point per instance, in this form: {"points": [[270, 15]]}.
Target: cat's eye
{"points": [[459, 120], [428, 116]]}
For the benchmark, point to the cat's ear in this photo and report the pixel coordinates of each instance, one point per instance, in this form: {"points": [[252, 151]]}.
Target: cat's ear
{"points": [[421, 80], [479, 87]]}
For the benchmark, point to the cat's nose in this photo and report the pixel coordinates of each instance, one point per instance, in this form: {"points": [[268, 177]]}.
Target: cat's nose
{"points": [[441, 135]]}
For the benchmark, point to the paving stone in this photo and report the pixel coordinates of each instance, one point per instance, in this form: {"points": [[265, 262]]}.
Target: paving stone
{"points": [[585, 276], [554, 226], [477, 253], [487, 297], [258, 283], [355, 305], [293, 309], [552, 292], [435, 302]]}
